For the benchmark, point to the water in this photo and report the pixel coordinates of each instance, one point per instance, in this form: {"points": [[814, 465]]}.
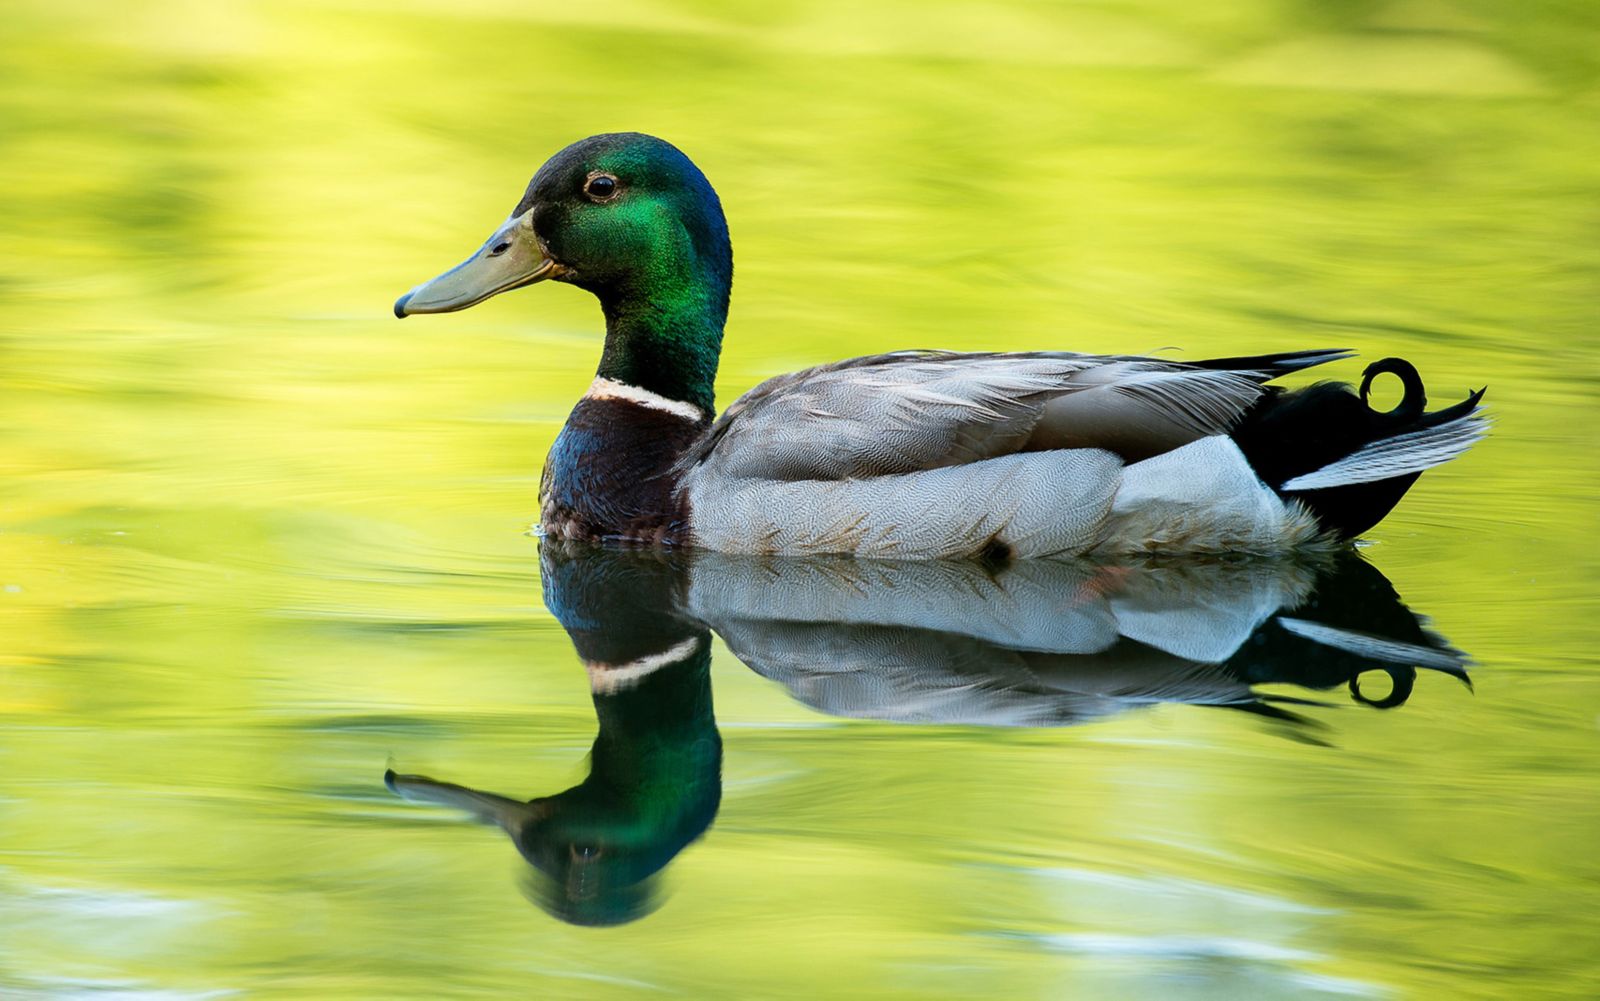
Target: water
{"points": [[260, 542]]}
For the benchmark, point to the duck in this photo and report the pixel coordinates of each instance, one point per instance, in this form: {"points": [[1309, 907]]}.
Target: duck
{"points": [[915, 454]]}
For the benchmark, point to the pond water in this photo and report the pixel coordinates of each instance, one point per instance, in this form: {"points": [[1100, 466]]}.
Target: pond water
{"points": [[281, 666]]}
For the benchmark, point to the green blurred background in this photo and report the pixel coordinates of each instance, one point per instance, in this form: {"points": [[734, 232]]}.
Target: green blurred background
{"points": [[257, 538]]}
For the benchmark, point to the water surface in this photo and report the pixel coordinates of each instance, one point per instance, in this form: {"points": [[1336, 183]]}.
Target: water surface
{"points": [[261, 543]]}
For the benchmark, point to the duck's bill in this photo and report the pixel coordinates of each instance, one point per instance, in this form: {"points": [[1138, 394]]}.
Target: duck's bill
{"points": [[509, 259], [487, 807]]}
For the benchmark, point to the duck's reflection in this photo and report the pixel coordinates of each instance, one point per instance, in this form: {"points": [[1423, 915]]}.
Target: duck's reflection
{"points": [[1046, 643], [655, 770], [1036, 643]]}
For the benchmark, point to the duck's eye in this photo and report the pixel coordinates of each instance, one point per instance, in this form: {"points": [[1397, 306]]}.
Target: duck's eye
{"points": [[600, 187]]}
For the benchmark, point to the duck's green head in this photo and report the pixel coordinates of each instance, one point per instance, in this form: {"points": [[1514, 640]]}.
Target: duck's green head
{"points": [[625, 215], [631, 219]]}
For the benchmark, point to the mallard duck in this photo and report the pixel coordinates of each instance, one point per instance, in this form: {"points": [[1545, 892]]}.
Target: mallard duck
{"points": [[914, 454]]}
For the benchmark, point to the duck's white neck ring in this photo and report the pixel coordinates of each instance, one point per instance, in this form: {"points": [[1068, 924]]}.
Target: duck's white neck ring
{"points": [[610, 389], [608, 679]]}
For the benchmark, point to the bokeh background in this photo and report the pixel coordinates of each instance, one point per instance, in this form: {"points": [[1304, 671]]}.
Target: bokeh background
{"points": [[258, 539]]}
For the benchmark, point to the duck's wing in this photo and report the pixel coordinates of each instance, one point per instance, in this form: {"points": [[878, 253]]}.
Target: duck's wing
{"points": [[912, 411]]}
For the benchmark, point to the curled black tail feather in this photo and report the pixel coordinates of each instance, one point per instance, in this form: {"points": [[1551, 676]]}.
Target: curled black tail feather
{"points": [[1414, 402], [1349, 464]]}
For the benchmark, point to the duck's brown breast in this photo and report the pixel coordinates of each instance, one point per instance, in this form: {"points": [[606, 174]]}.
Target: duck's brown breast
{"points": [[610, 473]]}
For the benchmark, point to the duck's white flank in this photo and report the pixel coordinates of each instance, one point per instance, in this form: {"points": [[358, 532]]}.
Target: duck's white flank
{"points": [[610, 389], [1202, 498], [608, 679]]}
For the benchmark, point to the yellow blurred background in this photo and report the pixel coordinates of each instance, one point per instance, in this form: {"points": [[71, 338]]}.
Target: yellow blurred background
{"points": [[257, 537]]}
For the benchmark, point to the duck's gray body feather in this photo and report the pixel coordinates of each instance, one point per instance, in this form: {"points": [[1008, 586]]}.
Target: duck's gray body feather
{"points": [[917, 410], [937, 454]]}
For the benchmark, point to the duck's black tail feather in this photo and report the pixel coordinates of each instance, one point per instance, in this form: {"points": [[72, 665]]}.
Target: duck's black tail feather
{"points": [[1349, 464], [1266, 367]]}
